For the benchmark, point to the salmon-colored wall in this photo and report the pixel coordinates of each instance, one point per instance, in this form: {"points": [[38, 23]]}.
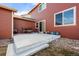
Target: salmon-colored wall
{"points": [[48, 15], [20, 23], [5, 24]]}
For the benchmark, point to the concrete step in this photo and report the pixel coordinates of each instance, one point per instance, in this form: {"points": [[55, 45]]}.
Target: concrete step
{"points": [[11, 50]]}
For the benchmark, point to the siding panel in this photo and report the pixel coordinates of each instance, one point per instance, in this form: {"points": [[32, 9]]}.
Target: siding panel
{"points": [[5, 24], [48, 15], [20, 23]]}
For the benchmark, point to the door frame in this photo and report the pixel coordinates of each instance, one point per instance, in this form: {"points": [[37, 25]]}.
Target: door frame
{"points": [[44, 21]]}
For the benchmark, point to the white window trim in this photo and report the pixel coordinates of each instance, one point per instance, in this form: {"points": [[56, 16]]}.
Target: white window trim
{"points": [[42, 9], [63, 17]]}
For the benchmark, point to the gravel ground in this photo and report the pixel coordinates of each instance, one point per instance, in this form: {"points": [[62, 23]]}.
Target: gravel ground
{"points": [[59, 47], [3, 50], [3, 46]]}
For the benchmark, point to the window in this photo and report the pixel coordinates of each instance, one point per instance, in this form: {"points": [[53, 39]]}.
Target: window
{"points": [[42, 6], [59, 19], [69, 17], [65, 18]]}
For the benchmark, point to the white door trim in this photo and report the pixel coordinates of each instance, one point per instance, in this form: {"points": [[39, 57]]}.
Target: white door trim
{"points": [[12, 24], [44, 21]]}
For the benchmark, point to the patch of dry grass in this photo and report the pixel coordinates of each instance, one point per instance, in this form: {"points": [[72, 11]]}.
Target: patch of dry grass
{"points": [[60, 47], [56, 51], [3, 50]]}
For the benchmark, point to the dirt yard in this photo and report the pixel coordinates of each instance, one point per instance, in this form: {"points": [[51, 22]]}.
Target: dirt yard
{"points": [[3, 50], [3, 46], [61, 47]]}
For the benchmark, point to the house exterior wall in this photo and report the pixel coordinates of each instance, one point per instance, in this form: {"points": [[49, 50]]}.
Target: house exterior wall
{"points": [[5, 24], [20, 23], [48, 15]]}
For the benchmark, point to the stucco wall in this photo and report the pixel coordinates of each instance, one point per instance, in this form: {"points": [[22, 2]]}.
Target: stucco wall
{"points": [[5, 24], [48, 15], [20, 23]]}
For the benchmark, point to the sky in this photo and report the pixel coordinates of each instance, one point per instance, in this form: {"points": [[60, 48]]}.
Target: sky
{"points": [[22, 8]]}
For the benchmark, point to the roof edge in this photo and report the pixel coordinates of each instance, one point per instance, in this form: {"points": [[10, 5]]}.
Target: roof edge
{"points": [[8, 8], [34, 8], [24, 18]]}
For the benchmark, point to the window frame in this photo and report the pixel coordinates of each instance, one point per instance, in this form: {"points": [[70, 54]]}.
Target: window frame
{"points": [[42, 9], [74, 16]]}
